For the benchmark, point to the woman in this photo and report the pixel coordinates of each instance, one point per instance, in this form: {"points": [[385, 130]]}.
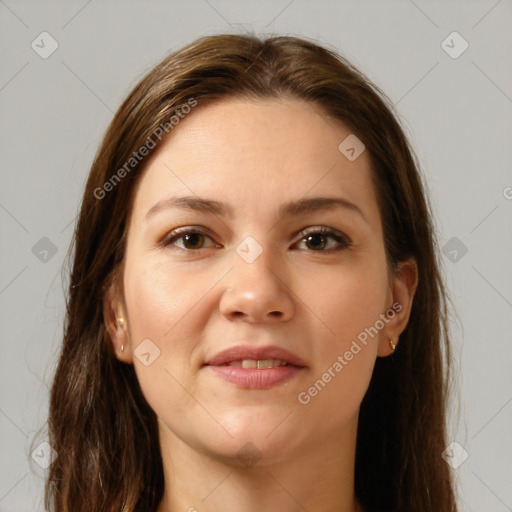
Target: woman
{"points": [[256, 317]]}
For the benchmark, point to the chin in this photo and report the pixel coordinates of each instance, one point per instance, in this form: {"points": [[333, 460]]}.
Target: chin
{"points": [[250, 452], [264, 440], [255, 421]]}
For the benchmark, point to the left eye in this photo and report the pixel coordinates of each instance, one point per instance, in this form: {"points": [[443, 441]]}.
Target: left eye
{"points": [[317, 239]]}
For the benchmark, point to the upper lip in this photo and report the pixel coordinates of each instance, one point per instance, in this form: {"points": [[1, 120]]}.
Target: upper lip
{"points": [[241, 352]]}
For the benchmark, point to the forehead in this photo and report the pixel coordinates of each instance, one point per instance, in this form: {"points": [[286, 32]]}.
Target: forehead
{"points": [[256, 153]]}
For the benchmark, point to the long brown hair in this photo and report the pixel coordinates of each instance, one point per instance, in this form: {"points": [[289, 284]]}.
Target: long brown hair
{"points": [[100, 425]]}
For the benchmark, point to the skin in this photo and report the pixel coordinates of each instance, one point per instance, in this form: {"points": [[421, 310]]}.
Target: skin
{"points": [[305, 297]]}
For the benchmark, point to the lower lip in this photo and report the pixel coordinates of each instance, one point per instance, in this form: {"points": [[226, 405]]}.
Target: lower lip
{"points": [[254, 378]]}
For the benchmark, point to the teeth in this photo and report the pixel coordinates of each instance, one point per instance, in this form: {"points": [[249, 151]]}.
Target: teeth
{"points": [[261, 363]]}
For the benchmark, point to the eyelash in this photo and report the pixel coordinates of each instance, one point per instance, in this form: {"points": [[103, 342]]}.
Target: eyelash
{"points": [[179, 233]]}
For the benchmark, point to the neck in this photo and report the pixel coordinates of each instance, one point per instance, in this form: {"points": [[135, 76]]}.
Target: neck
{"points": [[319, 479]]}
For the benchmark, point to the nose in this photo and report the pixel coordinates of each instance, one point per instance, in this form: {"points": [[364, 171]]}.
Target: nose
{"points": [[257, 292]]}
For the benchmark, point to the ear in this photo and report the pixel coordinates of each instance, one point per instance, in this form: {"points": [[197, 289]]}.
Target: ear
{"points": [[116, 321], [403, 286]]}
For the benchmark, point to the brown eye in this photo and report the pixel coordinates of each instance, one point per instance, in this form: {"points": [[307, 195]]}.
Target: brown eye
{"points": [[194, 240], [191, 239], [318, 239]]}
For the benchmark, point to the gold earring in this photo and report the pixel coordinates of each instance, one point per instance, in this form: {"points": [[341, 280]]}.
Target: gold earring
{"points": [[393, 345], [122, 348], [119, 322]]}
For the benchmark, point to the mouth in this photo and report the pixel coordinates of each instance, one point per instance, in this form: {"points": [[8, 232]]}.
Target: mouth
{"points": [[260, 364], [249, 367], [250, 356]]}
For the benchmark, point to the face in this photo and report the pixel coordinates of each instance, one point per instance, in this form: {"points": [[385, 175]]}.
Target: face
{"points": [[262, 266]]}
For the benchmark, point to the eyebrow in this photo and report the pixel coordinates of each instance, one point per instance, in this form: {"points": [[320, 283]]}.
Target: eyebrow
{"points": [[293, 208]]}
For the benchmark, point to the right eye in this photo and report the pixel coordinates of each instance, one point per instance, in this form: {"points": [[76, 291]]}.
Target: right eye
{"points": [[193, 239]]}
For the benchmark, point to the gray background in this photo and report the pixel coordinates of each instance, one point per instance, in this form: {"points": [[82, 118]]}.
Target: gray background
{"points": [[457, 111]]}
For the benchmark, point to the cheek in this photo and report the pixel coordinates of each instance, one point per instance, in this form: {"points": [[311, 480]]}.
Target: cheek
{"points": [[162, 307], [160, 304], [158, 298], [349, 305], [348, 301]]}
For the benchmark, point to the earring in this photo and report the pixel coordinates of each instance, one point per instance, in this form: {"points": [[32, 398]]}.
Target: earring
{"points": [[120, 322], [393, 345]]}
